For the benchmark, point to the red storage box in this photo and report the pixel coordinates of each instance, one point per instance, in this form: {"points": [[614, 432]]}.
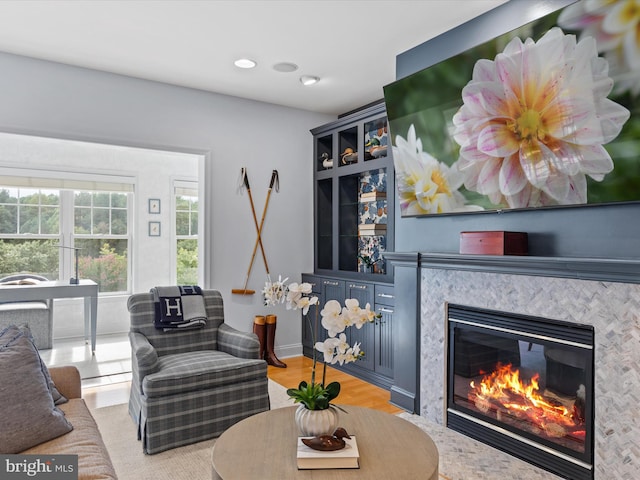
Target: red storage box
{"points": [[493, 243]]}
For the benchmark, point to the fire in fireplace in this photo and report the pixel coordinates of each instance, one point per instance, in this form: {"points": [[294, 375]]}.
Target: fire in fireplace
{"points": [[523, 385]]}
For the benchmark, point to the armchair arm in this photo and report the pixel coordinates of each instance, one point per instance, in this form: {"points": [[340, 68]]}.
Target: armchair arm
{"points": [[237, 343], [144, 357]]}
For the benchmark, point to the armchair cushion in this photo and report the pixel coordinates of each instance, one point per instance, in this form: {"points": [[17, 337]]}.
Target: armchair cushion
{"points": [[204, 370]]}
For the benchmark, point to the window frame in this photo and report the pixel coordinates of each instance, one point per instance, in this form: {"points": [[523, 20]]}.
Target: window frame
{"points": [[53, 181], [193, 185]]}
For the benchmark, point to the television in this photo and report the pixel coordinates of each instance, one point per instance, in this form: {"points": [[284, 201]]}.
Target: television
{"points": [[544, 116]]}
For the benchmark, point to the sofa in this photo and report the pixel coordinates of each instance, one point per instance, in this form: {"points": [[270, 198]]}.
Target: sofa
{"points": [[43, 412], [85, 439]]}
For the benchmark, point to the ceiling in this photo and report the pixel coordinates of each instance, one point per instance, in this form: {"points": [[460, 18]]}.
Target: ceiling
{"points": [[350, 44]]}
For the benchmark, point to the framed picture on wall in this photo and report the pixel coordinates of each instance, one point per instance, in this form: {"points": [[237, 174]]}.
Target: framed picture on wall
{"points": [[154, 205], [154, 229]]}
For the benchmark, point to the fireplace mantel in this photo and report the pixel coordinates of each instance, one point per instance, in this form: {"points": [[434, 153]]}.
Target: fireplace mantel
{"points": [[599, 269]]}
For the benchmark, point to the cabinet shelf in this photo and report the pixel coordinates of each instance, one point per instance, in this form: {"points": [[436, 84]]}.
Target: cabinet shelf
{"points": [[362, 164]]}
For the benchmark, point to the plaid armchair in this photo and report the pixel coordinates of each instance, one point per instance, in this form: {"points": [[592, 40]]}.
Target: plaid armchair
{"points": [[191, 385]]}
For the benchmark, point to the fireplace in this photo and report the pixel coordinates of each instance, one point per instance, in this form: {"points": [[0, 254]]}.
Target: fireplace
{"points": [[524, 385]]}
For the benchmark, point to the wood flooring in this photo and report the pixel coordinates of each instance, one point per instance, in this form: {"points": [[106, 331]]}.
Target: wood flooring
{"points": [[353, 390]]}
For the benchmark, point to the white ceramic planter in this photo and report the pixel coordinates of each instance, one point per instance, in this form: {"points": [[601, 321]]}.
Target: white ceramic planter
{"points": [[312, 423]]}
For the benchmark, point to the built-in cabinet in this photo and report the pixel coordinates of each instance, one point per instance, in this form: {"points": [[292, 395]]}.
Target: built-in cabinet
{"points": [[353, 214], [353, 190], [376, 338]]}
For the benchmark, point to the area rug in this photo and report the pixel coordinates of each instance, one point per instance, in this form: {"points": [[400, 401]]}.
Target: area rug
{"points": [[192, 462]]}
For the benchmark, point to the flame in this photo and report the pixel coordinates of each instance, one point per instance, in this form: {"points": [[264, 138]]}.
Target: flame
{"points": [[504, 392]]}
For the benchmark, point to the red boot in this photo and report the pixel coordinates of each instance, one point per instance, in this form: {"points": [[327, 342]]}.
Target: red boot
{"points": [[260, 329], [270, 355]]}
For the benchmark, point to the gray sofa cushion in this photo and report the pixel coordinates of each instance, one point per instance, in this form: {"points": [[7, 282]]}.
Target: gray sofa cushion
{"points": [[28, 415]]}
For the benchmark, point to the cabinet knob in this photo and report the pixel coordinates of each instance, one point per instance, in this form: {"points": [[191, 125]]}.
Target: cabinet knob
{"points": [[328, 282], [385, 310], [361, 287]]}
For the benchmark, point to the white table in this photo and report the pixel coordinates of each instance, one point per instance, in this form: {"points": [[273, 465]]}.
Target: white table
{"points": [[59, 289]]}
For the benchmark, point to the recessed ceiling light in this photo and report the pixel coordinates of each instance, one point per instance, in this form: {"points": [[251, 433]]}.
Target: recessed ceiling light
{"points": [[309, 80], [285, 67], [244, 63]]}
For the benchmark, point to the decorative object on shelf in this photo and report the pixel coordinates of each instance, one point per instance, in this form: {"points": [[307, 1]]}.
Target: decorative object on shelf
{"points": [[371, 246], [348, 156], [335, 319], [328, 443], [154, 205], [372, 229], [373, 196], [244, 182], [367, 263], [154, 229], [376, 139], [326, 161], [493, 243]]}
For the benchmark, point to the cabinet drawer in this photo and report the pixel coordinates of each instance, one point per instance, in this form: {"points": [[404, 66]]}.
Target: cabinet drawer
{"points": [[384, 295], [316, 282]]}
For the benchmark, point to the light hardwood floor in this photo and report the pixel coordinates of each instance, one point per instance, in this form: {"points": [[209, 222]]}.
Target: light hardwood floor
{"points": [[353, 390]]}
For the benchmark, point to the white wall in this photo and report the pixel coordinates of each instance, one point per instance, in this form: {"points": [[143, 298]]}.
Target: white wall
{"points": [[54, 100]]}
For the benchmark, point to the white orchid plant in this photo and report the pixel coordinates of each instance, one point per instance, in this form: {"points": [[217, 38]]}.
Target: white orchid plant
{"points": [[335, 349]]}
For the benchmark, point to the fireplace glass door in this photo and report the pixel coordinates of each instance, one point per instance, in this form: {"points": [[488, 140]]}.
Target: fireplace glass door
{"points": [[524, 385]]}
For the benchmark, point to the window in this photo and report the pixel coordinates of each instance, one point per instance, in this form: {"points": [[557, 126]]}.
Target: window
{"points": [[35, 223], [29, 231], [101, 233], [186, 211]]}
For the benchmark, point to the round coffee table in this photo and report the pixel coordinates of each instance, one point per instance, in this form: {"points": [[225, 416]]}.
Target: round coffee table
{"points": [[264, 446]]}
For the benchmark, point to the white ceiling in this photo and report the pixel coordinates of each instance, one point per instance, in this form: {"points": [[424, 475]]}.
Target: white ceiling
{"points": [[350, 44]]}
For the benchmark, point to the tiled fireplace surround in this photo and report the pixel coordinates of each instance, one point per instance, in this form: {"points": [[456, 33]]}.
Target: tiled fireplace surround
{"points": [[602, 293]]}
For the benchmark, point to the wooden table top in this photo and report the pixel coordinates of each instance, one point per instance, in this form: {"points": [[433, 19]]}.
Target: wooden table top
{"points": [[264, 446]]}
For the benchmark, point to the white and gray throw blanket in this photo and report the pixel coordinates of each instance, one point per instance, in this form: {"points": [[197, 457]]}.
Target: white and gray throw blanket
{"points": [[179, 308]]}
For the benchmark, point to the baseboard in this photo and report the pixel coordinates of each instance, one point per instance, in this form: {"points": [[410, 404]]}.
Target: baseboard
{"points": [[403, 399], [286, 351]]}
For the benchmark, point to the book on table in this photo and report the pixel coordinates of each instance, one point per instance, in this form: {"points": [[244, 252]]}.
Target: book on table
{"points": [[347, 457]]}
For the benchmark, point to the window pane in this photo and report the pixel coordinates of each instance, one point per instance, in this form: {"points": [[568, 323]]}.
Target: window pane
{"points": [[50, 220], [39, 257], [28, 219], [82, 220], [182, 203], [187, 265], [100, 221], [182, 223], [119, 200], [105, 262], [101, 199], [119, 222], [194, 223], [8, 219], [28, 196], [9, 195], [82, 199], [49, 197]]}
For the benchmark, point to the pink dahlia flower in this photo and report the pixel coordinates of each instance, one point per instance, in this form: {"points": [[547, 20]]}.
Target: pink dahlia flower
{"points": [[615, 25], [534, 122]]}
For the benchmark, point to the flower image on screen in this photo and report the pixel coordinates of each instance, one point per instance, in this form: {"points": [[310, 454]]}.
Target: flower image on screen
{"points": [[545, 115]]}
